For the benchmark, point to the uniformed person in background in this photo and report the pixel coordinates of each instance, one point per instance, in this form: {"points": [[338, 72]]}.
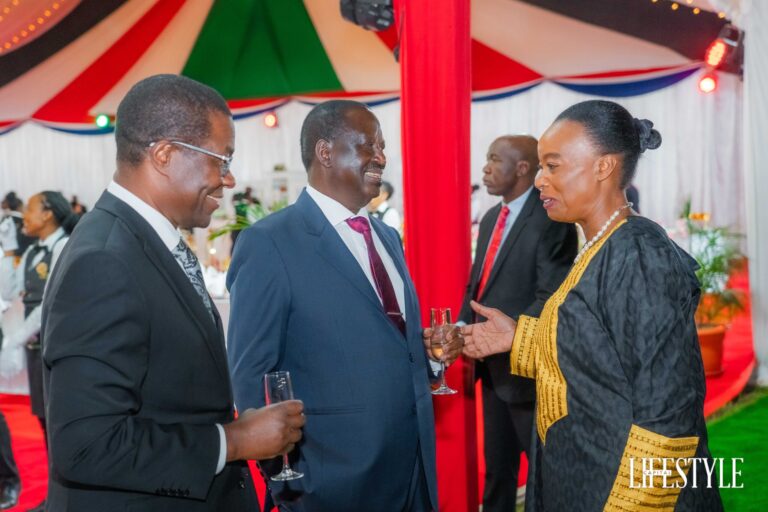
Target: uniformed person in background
{"points": [[49, 218]]}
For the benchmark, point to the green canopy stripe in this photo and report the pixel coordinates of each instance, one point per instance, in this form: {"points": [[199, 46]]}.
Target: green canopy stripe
{"points": [[260, 48]]}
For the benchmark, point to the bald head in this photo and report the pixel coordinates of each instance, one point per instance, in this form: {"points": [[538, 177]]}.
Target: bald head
{"points": [[526, 147], [511, 166]]}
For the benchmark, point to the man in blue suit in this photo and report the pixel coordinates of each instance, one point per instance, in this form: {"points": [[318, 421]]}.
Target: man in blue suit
{"points": [[321, 289]]}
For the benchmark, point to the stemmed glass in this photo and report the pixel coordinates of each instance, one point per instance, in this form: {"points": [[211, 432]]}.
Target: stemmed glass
{"points": [[278, 388], [440, 319]]}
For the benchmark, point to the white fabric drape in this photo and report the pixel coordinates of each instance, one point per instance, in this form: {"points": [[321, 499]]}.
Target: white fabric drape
{"points": [[756, 153], [700, 157]]}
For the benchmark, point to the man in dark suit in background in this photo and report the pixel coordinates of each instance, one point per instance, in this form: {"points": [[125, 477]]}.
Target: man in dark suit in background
{"points": [[139, 399], [521, 259], [321, 289]]}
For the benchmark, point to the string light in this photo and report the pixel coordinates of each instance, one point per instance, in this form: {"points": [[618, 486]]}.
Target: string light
{"points": [[675, 6], [37, 21]]}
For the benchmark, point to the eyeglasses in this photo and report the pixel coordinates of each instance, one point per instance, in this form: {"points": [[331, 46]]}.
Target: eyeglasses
{"points": [[226, 161]]}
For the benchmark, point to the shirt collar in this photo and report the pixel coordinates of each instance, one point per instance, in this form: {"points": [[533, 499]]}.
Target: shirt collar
{"points": [[51, 239], [165, 230], [518, 201], [383, 207], [334, 211]]}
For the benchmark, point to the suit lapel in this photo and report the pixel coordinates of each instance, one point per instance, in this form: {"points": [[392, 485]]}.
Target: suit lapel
{"points": [[514, 233], [332, 249], [159, 255]]}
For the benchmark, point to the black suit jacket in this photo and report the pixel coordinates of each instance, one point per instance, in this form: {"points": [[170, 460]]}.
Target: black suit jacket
{"points": [[136, 377], [530, 265]]}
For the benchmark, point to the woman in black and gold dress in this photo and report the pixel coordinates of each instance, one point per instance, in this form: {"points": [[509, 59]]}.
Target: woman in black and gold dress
{"points": [[615, 355]]}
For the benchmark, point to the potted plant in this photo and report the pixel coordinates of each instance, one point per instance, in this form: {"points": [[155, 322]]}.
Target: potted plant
{"points": [[248, 214], [716, 251]]}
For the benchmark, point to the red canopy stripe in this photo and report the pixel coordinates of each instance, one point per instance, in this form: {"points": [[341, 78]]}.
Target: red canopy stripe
{"points": [[504, 71], [75, 100], [624, 72]]}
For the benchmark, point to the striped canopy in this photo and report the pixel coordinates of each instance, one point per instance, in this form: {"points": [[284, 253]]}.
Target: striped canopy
{"points": [[62, 62]]}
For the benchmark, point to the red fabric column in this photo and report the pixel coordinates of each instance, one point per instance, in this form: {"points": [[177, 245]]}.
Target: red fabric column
{"points": [[436, 93]]}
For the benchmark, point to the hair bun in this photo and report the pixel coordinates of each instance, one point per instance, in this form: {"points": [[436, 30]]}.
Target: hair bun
{"points": [[649, 138]]}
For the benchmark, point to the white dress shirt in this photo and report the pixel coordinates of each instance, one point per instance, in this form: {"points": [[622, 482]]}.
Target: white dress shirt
{"points": [[515, 207], [170, 237], [337, 214]]}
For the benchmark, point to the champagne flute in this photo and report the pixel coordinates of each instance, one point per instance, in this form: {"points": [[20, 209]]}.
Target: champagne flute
{"points": [[440, 322], [278, 388]]}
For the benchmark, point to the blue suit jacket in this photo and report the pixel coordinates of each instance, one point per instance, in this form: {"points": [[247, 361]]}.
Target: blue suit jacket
{"points": [[300, 302]]}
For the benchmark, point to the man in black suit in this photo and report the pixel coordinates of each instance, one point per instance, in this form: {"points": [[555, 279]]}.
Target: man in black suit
{"points": [[522, 257], [139, 399]]}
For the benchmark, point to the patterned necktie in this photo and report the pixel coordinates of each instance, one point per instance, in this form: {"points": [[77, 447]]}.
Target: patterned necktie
{"points": [[380, 277], [191, 266], [493, 249]]}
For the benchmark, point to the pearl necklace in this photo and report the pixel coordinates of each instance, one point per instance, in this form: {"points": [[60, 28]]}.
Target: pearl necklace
{"points": [[600, 233]]}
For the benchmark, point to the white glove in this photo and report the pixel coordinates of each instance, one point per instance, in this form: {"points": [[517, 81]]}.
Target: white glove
{"points": [[12, 355], [8, 240]]}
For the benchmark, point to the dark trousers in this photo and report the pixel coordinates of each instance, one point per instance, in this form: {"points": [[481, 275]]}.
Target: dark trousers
{"points": [[9, 473], [507, 429]]}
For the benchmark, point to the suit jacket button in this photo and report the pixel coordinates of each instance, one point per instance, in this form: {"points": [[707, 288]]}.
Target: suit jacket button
{"points": [[241, 483], [410, 356], [186, 492]]}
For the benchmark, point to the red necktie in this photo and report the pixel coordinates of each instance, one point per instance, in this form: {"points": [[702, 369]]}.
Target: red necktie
{"points": [[383, 284], [493, 249]]}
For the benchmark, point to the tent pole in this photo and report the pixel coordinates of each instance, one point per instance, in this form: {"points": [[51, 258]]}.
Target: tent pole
{"points": [[436, 95]]}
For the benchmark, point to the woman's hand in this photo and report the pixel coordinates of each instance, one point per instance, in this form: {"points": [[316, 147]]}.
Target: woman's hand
{"points": [[493, 336]]}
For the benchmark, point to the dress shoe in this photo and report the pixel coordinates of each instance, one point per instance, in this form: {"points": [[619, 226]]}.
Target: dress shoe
{"points": [[9, 495], [39, 508]]}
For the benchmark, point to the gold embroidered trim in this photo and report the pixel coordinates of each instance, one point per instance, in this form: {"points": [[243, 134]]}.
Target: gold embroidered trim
{"points": [[551, 387], [522, 360], [636, 495]]}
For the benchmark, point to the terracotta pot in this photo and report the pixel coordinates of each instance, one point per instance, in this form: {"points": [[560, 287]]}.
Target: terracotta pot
{"points": [[711, 342]]}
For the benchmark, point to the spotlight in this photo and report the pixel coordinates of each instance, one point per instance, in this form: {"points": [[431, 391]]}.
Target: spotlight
{"points": [[369, 14], [102, 121], [708, 83], [270, 120], [727, 51], [715, 53]]}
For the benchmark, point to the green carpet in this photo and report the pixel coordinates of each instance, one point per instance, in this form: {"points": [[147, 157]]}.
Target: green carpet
{"points": [[742, 431]]}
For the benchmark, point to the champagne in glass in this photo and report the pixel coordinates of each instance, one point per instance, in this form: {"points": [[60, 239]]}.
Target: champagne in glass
{"points": [[441, 324], [278, 388]]}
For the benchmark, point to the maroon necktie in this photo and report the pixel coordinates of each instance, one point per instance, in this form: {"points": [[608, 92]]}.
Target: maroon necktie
{"points": [[383, 284]]}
